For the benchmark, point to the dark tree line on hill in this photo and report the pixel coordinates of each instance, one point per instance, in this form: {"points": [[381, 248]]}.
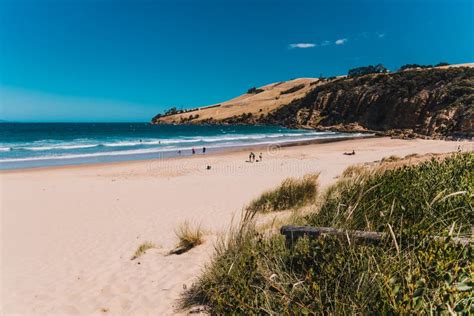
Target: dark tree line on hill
{"points": [[415, 66], [360, 71], [366, 70], [254, 90]]}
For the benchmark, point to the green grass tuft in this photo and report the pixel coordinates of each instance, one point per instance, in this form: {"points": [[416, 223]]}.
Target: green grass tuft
{"points": [[292, 193], [189, 237]]}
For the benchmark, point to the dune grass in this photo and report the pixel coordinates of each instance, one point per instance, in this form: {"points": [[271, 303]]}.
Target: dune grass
{"points": [[391, 158], [188, 236], [409, 156], [291, 193], [142, 249], [253, 272]]}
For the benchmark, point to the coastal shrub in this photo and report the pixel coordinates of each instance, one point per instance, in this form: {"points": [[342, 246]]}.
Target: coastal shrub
{"points": [[171, 111], [254, 90], [360, 71], [408, 272], [291, 193], [188, 236], [142, 249]]}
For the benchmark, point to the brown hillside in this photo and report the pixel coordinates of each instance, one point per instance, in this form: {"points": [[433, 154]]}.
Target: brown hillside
{"points": [[272, 97]]}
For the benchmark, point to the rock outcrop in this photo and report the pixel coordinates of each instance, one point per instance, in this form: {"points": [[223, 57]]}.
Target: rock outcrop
{"points": [[435, 102]]}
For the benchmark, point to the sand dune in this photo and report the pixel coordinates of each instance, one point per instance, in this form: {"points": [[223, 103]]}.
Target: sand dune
{"points": [[68, 233]]}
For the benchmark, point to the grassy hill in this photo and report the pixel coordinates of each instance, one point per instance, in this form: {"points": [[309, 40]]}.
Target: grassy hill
{"points": [[258, 102]]}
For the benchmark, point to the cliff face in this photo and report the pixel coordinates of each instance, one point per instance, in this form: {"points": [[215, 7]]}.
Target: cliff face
{"points": [[434, 102]]}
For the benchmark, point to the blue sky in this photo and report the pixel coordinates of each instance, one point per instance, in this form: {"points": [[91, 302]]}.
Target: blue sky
{"points": [[104, 60]]}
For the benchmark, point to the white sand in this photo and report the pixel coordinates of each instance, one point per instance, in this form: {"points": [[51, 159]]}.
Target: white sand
{"points": [[67, 234]]}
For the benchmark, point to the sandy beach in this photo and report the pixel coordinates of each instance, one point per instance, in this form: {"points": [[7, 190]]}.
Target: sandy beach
{"points": [[68, 233]]}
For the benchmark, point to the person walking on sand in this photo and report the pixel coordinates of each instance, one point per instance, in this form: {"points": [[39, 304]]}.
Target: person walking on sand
{"points": [[193, 151], [260, 157], [203, 150]]}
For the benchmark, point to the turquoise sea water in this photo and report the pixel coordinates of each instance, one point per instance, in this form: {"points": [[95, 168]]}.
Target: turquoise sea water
{"points": [[24, 145]]}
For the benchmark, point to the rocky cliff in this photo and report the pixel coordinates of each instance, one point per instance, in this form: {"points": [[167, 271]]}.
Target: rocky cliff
{"points": [[434, 102]]}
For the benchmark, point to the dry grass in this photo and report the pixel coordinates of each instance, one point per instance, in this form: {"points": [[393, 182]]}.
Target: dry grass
{"points": [[189, 237], [391, 158], [412, 156], [292, 193], [353, 170], [266, 101], [142, 249]]}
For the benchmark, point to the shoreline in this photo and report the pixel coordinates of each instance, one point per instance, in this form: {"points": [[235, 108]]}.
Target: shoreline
{"points": [[68, 232], [210, 152]]}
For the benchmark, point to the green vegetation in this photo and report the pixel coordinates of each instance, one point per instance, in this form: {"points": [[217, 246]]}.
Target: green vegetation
{"points": [[417, 66], [254, 90], [409, 272], [366, 70], [189, 237], [142, 249], [292, 193]]}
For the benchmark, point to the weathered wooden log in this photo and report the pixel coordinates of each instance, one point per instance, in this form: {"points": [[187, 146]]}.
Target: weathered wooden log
{"points": [[292, 233]]}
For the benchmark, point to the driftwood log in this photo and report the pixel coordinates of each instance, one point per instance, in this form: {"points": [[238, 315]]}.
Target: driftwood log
{"points": [[292, 233]]}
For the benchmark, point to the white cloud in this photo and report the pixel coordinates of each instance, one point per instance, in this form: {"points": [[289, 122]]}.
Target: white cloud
{"points": [[340, 41], [303, 45]]}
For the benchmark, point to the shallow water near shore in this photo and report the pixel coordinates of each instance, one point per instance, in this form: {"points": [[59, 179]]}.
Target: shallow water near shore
{"points": [[26, 145]]}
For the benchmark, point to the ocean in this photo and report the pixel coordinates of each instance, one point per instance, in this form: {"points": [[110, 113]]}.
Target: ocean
{"points": [[26, 145]]}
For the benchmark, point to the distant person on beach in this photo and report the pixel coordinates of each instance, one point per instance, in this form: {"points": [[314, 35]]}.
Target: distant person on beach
{"points": [[251, 157], [179, 152], [203, 150], [350, 154], [260, 157], [193, 151]]}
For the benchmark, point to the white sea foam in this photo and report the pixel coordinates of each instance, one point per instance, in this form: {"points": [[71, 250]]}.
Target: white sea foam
{"points": [[225, 144], [56, 147], [49, 146]]}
